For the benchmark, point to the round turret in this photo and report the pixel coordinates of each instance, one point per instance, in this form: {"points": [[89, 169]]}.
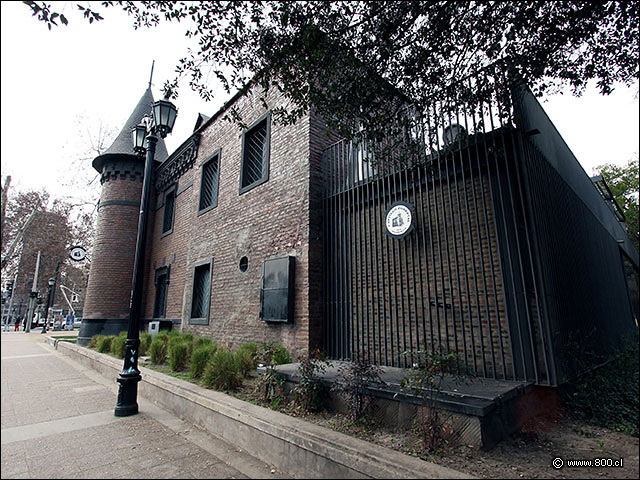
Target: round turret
{"points": [[108, 295]]}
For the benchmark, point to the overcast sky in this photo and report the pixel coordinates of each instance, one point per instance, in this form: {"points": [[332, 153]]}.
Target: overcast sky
{"points": [[54, 81]]}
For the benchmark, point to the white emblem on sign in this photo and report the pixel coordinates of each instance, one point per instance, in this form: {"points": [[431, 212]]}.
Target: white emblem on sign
{"points": [[77, 254], [399, 220]]}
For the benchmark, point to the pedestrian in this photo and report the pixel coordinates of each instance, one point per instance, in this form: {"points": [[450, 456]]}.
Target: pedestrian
{"points": [[17, 324]]}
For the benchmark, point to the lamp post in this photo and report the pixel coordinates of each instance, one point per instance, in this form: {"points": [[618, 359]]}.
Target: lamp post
{"points": [[160, 123], [52, 282], [52, 295]]}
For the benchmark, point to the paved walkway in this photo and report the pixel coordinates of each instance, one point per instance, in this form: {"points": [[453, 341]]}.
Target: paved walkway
{"points": [[58, 422]]}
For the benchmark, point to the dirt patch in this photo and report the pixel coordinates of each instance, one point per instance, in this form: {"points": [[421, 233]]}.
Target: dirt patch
{"points": [[527, 454]]}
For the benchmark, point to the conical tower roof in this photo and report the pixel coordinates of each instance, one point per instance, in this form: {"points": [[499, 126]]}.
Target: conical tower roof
{"points": [[123, 144]]}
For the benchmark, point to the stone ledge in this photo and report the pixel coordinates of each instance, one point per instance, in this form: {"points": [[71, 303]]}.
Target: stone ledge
{"points": [[299, 448]]}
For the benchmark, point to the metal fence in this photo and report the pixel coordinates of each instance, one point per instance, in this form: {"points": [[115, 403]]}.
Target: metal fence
{"points": [[478, 275], [452, 284]]}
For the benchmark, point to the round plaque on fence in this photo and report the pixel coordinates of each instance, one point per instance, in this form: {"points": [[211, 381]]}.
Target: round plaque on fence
{"points": [[399, 219]]}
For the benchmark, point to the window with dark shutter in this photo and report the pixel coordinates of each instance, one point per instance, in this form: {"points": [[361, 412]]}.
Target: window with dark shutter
{"points": [[169, 210], [209, 184], [200, 294], [276, 292], [255, 155]]}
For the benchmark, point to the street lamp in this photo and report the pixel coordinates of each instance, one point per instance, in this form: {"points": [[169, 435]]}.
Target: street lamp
{"points": [[52, 282], [160, 123]]}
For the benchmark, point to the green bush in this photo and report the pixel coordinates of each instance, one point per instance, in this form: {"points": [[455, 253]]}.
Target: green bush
{"points": [[201, 357], [117, 345], [163, 335], [273, 354], [221, 371], [178, 356], [608, 395], [188, 337], [280, 355], [93, 343], [245, 360], [158, 350], [252, 347], [173, 335], [145, 342], [201, 341], [104, 344], [310, 395]]}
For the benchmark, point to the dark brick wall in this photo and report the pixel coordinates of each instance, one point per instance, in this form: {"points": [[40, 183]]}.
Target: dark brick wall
{"points": [[269, 221], [110, 277]]}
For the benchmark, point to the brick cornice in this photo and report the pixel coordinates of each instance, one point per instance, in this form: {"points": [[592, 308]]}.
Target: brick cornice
{"points": [[178, 163]]}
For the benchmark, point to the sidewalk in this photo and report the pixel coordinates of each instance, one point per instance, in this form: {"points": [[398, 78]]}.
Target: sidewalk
{"points": [[58, 422]]}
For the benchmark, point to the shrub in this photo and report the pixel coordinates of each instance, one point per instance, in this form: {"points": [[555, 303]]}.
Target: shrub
{"points": [[425, 379], [145, 342], [221, 371], [607, 396], [201, 357], [104, 344], [280, 355], [188, 337], [158, 351], [245, 359], [178, 356], [117, 345], [252, 347], [353, 379], [201, 341], [310, 394], [270, 388], [273, 354], [93, 343], [163, 335]]}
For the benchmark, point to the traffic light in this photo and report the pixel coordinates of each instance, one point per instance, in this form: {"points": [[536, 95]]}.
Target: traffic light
{"points": [[9, 289]]}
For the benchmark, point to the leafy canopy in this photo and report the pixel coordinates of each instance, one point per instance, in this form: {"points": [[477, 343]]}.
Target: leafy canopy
{"points": [[344, 57], [623, 183]]}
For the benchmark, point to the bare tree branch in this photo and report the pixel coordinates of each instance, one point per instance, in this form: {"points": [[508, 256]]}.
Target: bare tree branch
{"points": [[17, 239]]}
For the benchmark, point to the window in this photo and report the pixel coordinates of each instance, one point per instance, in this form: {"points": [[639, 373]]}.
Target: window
{"points": [[162, 286], [169, 210], [209, 183], [201, 293], [255, 154]]}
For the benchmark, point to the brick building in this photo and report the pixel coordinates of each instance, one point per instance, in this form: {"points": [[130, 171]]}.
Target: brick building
{"points": [[489, 239]]}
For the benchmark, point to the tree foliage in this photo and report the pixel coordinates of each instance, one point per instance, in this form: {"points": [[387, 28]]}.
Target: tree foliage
{"points": [[52, 230], [623, 183], [343, 58]]}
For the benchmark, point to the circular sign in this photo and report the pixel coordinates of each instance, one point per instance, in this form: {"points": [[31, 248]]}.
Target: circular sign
{"points": [[399, 219], [77, 254]]}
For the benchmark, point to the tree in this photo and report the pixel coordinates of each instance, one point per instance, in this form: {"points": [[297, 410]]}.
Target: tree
{"points": [[357, 63], [93, 139], [22, 212], [52, 230], [623, 183]]}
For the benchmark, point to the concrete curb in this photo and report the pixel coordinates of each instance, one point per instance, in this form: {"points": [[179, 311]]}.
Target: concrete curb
{"points": [[299, 448]]}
